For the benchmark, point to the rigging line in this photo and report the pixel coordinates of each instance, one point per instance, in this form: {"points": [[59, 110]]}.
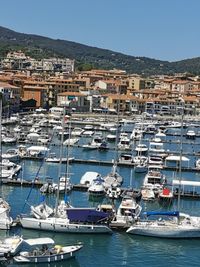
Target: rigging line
{"points": [[38, 171]]}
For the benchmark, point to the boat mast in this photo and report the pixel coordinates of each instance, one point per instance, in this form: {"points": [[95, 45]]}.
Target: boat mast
{"points": [[67, 164], [1, 99], [60, 162], [117, 136], [181, 154]]}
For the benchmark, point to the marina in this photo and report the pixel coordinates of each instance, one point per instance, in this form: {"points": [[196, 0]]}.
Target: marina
{"points": [[36, 170]]}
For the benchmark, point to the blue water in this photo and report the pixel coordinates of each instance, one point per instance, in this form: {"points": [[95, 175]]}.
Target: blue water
{"points": [[118, 249]]}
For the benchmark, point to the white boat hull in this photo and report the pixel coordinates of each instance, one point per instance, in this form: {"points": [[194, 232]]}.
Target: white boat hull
{"points": [[62, 225], [67, 253], [163, 231]]}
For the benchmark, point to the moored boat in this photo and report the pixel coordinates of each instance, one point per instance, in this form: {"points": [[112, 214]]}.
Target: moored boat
{"points": [[46, 252]]}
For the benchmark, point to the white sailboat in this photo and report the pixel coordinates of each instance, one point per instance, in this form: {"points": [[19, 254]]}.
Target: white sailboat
{"points": [[5, 219], [58, 221], [174, 224]]}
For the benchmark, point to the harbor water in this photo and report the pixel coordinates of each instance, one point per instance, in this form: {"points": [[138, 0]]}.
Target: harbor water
{"points": [[120, 248]]}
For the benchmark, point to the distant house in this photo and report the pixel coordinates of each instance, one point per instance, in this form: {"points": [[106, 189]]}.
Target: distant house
{"points": [[74, 100]]}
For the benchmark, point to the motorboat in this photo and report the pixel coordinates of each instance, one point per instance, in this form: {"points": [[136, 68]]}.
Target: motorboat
{"points": [[155, 160], [11, 154], [10, 246], [8, 139], [52, 158], [156, 148], [36, 151], [125, 158], [97, 187], [128, 211], [148, 194], [48, 187], [89, 177], [65, 184], [141, 149], [71, 141], [154, 179], [124, 143], [141, 166], [9, 169], [41, 250], [87, 133], [111, 137], [77, 131], [96, 143], [5, 219], [190, 134]]}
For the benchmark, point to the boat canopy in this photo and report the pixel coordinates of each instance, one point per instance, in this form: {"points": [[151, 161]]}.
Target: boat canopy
{"points": [[37, 148], [176, 158], [39, 241], [166, 213], [190, 183]]}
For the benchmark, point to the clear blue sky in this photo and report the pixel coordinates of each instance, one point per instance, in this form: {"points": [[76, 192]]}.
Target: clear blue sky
{"points": [[161, 29]]}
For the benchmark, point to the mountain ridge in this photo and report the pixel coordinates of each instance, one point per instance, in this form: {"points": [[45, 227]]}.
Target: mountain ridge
{"points": [[88, 56]]}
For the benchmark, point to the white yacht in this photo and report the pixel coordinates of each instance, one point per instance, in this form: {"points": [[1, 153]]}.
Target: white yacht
{"points": [[156, 147], [77, 131], [71, 141], [9, 170], [11, 154], [141, 149], [190, 134], [129, 211], [65, 185], [124, 143], [97, 187], [154, 179], [5, 219], [125, 158], [89, 177]]}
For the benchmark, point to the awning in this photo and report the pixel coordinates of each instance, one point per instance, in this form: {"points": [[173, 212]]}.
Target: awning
{"points": [[176, 158], [190, 183], [39, 241]]}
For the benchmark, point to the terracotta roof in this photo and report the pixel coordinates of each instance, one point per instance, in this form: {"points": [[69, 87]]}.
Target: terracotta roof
{"points": [[2, 84], [35, 87], [71, 94]]}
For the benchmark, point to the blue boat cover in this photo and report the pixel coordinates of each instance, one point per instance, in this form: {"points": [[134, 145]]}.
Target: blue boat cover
{"points": [[86, 215], [166, 213]]}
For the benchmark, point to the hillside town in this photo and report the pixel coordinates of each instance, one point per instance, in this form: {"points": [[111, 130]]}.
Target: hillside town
{"points": [[28, 84]]}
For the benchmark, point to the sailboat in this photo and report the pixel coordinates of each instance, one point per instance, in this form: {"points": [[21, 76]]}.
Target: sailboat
{"points": [[140, 161], [113, 179], [172, 224], [58, 221], [5, 219]]}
